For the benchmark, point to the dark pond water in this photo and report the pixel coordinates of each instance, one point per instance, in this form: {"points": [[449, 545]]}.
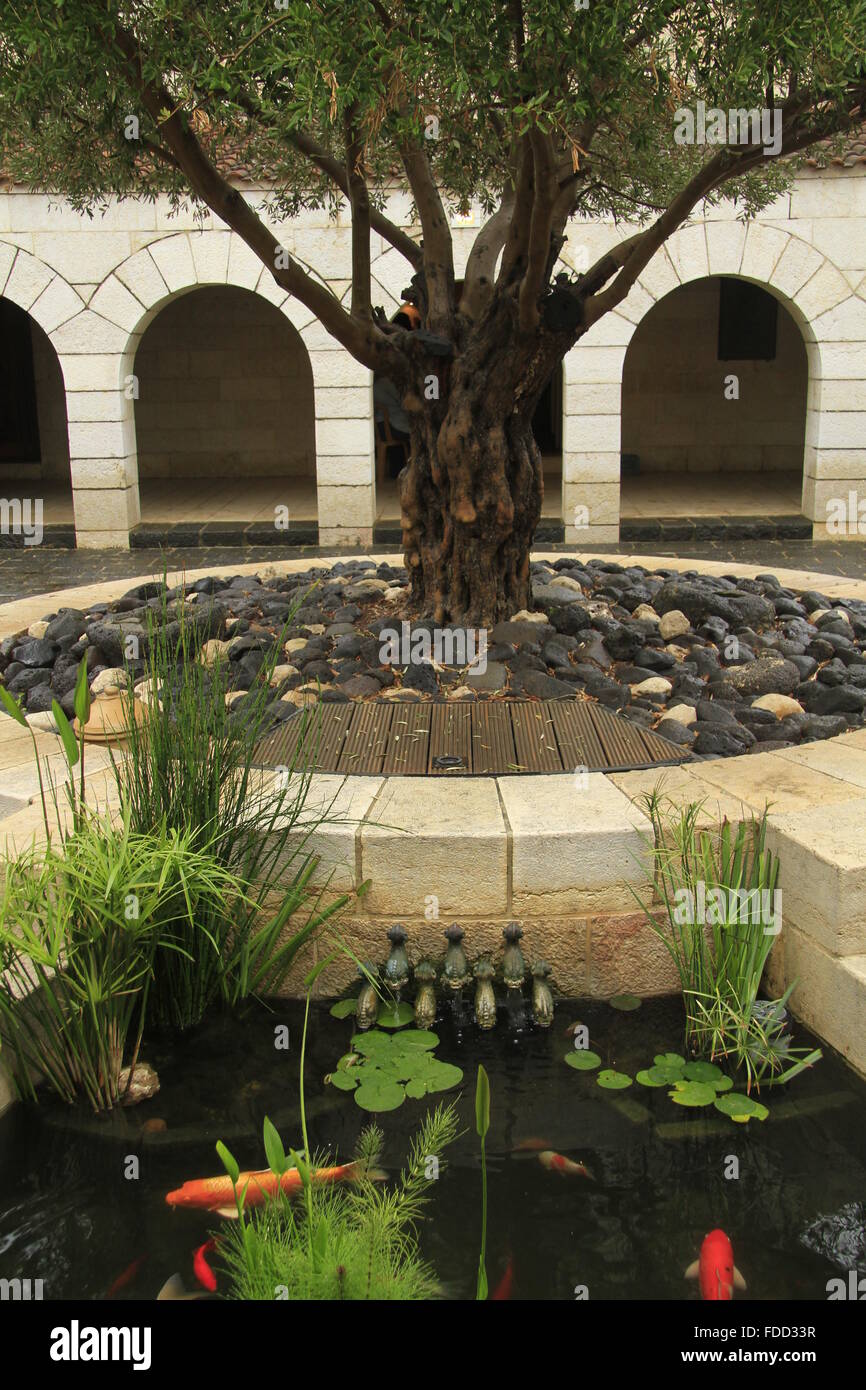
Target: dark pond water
{"points": [[795, 1215]]}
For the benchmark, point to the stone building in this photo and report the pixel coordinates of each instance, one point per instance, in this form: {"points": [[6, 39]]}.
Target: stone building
{"points": [[156, 383]]}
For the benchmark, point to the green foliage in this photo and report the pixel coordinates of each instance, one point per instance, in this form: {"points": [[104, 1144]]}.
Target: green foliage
{"points": [[720, 953], [607, 77], [582, 1059], [190, 762], [482, 1125], [355, 1241], [384, 1070], [611, 1080], [81, 924]]}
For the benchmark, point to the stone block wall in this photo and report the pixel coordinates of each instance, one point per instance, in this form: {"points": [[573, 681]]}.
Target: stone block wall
{"points": [[94, 287], [676, 416], [225, 390]]}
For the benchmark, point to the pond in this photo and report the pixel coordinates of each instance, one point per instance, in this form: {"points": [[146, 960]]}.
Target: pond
{"points": [[73, 1214]]}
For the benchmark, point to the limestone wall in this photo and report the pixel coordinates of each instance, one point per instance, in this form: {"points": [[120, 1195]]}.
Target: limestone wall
{"points": [[94, 287]]}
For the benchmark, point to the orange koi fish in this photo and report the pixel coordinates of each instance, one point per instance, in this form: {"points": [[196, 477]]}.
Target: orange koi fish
{"points": [[218, 1194], [565, 1167], [715, 1269]]}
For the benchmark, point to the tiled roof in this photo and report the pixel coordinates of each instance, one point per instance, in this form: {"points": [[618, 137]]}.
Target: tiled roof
{"points": [[852, 152]]}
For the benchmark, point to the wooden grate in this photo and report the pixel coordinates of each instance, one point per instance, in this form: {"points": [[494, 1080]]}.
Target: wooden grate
{"points": [[443, 738]]}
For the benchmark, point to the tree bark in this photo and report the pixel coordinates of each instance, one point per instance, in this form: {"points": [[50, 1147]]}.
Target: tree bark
{"points": [[471, 494]]}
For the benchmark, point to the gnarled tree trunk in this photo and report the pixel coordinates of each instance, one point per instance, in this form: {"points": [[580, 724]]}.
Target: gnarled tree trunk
{"points": [[471, 495]]}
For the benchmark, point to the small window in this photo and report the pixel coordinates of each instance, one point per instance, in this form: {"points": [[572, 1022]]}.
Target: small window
{"points": [[19, 423], [747, 322]]}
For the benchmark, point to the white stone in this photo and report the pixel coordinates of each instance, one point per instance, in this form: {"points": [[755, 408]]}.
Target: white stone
{"points": [[682, 714], [214, 651], [780, 705], [524, 616], [174, 261], [140, 276], [674, 623], [282, 672], [646, 613], [653, 685], [37, 629], [112, 678], [115, 303], [27, 279], [576, 843], [57, 303]]}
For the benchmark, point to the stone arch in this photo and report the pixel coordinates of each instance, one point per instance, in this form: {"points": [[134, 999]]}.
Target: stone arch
{"points": [[45, 301], [104, 337], [811, 288]]}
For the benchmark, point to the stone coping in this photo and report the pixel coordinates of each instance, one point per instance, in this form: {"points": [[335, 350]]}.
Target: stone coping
{"points": [[561, 854]]}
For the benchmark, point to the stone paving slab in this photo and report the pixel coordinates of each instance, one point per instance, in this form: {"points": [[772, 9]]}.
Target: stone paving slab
{"points": [[442, 841], [775, 781], [576, 843], [823, 873]]}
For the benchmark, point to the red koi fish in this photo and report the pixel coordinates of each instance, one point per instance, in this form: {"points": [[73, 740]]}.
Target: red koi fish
{"points": [[218, 1194], [565, 1167], [502, 1292], [715, 1270], [127, 1277], [200, 1267]]}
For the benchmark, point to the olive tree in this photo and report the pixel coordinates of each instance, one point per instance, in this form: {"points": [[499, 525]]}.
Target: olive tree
{"points": [[540, 112]]}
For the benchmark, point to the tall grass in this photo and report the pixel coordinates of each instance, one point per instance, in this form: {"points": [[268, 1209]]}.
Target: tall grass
{"points": [[80, 927], [191, 762], [720, 953]]}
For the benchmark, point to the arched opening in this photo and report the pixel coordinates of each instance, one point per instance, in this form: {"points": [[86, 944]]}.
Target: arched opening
{"points": [[714, 392], [34, 440], [225, 418]]}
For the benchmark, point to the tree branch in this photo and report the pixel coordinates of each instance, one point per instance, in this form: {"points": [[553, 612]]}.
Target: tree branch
{"points": [[540, 227], [363, 340], [359, 201]]}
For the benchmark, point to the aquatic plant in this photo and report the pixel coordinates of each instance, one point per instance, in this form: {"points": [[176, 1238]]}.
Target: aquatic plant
{"points": [[80, 926], [190, 762], [385, 1069], [720, 921], [482, 1125], [345, 1242]]}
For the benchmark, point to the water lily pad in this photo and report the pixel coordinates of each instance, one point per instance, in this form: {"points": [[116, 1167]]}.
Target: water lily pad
{"points": [[724, 1083], [582, 1059], [657, 1075], [613, 1080], [416, 1037], [416, 1089], [368, 1043], [442, 1077], [670, 1059], [344, 1008], [703, 1071], [625, 1002], [692, 1093], [378, 1098], [647, 1078], [740, 1107], [394, 1015], [346, 1080]]}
